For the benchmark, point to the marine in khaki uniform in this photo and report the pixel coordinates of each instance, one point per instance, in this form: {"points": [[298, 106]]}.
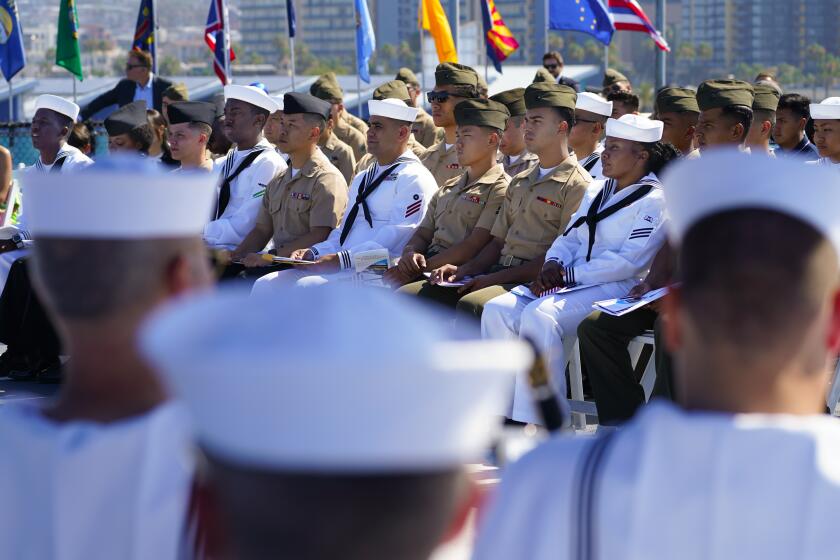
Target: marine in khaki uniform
{"points": [[326, 87], [764, 119], [537, 207], [303, 204], [453, 84], [395, 89], [462, 212], [678, 110], [725, 114], [424, 128], [512, 151], [339, 153]]}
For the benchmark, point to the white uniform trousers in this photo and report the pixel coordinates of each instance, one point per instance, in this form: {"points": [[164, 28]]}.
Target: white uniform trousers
{"points": [[551, 323], [296, 277]]}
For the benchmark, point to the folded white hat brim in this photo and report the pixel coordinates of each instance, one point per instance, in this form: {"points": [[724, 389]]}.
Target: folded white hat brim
{"points": [[635, 128], [594, 104], [392, 109], [829, 109], [58, 104], [253, 95]]}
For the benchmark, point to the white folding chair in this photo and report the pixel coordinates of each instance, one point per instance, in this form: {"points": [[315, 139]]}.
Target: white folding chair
{"points": [[581, 408]]}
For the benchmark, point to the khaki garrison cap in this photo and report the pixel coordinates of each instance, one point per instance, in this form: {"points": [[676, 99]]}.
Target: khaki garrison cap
{"points": [[513, 99], [766, 98], [677, 100], [395, 89], [716, 94], [407, 76], [550, 95], [481, 112], [543, 75], [326, 87], [454, 74], [612, 77]]}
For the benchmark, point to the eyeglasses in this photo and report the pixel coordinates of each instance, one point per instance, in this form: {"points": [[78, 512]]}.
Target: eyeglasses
{"points": [[550, 66], [577, 120], [130, 66], [437, 96]]}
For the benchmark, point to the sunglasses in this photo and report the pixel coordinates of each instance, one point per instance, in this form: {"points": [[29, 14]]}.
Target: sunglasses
{"points": [[549, 66], [437, 96], [130, 66]]}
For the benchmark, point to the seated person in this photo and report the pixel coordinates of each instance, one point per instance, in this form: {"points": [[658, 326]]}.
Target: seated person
{"points": [[304, 203], [608, 247], [388, 202], [190, 126], [462, 212]]}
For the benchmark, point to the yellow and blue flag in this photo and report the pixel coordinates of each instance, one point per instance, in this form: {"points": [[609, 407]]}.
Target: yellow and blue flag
{"points": [[12, 56], [586, 16], [500, 41], [144, 32]]}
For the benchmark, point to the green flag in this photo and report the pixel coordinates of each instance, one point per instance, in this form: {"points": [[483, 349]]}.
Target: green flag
{"points": [[67, 53]]}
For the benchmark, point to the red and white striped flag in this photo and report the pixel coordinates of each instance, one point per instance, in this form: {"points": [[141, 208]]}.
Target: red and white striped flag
{"points": [[629, 16]]}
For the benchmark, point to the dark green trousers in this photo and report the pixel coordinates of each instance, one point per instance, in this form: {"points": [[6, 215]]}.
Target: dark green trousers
{"points": [[467, 307], [603, 340]]}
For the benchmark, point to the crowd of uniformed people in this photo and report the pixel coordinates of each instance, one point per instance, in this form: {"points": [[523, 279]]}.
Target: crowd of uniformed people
{"points": [[282, 331]]}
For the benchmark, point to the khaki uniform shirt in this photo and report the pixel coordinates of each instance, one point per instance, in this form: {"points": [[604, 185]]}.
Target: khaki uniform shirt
{"points": [[340, 155], [416, 148], [352, 137], [525, 161], [355, 122], [424, 128], [315, 197], [441, 162], [537, 210], [457, 207]]}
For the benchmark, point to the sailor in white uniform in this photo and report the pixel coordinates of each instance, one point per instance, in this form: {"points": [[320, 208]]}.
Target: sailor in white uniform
{"points": [[104, 471], [51, 126], [247, 168], [343, 441], [387, 203], [608, 246], [591, 114], [749, 468], [826, 117]]}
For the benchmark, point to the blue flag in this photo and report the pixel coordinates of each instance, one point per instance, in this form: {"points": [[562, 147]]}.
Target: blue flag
{"points": [[365, 41], [586, 16], [12, 57], [144, 32], [290, 16]]}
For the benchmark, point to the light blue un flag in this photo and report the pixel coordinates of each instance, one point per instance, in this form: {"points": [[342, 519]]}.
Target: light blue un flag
{"points": [[586, 16], [365, 40], [12, 57]]}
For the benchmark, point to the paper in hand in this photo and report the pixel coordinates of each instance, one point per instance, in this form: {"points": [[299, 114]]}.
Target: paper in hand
{"points": [[625, 305]]}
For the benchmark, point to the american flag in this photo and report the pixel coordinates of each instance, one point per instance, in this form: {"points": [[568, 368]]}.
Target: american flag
{"points": [[214, 36], [629, 16]]}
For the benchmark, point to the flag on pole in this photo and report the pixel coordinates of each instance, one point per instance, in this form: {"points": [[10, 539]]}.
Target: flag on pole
{"points": [[433, 19], [144, 33], [67, 52], [12, 57], [214, 36], [500, 41], [365, 39], [290, 17], [586, 16], [629, 16]]}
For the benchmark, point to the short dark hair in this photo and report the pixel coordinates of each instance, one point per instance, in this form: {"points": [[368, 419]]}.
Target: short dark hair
{"points": [[748, 259], [660, 154], [203, 128], [739, 114], [143, 57], [796, 103], [271, 513], [143, 136], [566, 114], [625, 98], [556, 56], [80, 136], [760, 115], [311, 119], [156, 121]]}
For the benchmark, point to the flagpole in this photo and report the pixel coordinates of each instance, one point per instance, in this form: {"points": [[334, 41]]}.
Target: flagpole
{"points": [[11, 110], [358, 78], [153, 46], [547, 25], [606, 57], [74, 87], [292, 47], [226, 38], [660, 54]]}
